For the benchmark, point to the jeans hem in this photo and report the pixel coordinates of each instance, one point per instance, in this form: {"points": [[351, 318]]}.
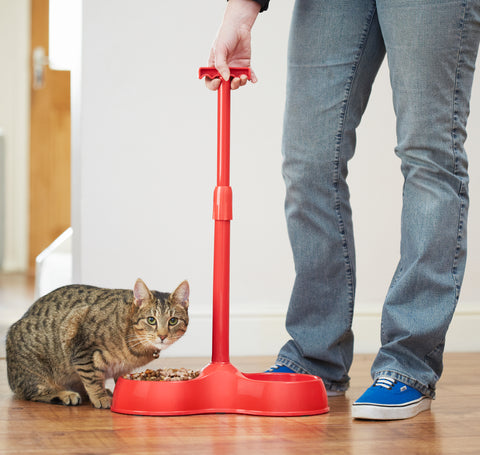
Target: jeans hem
{"points": [[329, 386]]}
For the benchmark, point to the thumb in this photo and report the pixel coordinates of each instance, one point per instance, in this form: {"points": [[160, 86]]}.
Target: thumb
{"points": [[221, 63], [224, 71]]}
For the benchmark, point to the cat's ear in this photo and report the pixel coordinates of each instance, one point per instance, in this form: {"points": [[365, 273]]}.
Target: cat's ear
{"points": [[182, 294], [141, 293]]}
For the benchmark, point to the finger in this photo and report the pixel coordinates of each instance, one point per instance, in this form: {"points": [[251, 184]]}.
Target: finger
{"points": [[243, 79], [235, 83], [212, 84]]}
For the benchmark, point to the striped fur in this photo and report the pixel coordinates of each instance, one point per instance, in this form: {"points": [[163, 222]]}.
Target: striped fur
{"points": [[74, 338]]}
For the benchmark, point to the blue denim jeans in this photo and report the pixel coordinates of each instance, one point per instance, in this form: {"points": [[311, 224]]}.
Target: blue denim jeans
{"points": [[335, 51]]}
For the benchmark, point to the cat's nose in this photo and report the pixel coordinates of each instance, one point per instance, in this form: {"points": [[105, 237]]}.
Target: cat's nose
{"points": [[162, 337]]}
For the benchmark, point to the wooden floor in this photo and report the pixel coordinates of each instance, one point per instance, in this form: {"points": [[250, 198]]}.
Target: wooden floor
{"points": [[451, 427]]}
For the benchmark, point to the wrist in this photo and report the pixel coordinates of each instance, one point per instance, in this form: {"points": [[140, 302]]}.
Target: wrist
{"points": [[245, 11]]}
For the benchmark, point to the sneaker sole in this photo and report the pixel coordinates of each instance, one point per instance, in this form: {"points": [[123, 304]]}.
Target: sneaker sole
{"points": [[370, 411]]}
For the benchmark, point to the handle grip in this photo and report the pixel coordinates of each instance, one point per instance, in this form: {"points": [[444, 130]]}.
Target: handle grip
{"points": [[213, 73]]}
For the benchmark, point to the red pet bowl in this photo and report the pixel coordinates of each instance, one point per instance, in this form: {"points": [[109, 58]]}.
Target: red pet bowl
{"points": [[221, 388]]}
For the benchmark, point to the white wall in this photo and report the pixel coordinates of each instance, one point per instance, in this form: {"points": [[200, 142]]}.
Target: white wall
{"points": [[14, 121], [144, 145]]}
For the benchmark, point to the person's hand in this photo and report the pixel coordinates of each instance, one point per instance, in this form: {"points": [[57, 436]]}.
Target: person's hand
{"points": [[232, 44]]}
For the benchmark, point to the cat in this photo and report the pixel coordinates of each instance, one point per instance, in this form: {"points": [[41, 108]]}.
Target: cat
{"points": [[74, 338]]}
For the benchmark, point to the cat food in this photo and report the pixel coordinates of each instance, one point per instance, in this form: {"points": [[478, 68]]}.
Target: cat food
{"points": [[167, 374]]}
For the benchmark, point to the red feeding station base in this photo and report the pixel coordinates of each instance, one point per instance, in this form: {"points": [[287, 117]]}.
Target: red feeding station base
{"points": [[220, 387]]}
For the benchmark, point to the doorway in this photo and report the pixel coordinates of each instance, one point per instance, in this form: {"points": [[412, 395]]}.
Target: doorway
{"points": [[49, 142]]}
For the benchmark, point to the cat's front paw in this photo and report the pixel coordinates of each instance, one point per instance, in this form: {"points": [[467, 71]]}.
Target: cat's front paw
{"points": [[102, 402], [68, 398]]}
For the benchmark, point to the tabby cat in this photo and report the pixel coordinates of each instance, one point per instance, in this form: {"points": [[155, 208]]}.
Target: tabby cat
{"points": [[74, 338]]}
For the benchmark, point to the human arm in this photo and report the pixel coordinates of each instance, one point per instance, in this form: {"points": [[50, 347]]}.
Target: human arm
{"points": [[232, 46]]}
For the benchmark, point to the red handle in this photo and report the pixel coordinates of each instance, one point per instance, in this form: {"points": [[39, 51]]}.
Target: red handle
{"points": [[213, 73]]}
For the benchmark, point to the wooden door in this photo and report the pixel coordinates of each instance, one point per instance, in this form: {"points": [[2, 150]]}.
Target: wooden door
{"points": [[49, 146]]}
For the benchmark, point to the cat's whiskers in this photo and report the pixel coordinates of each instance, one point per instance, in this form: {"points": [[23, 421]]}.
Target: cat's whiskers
{"points": [[134, 345], [146, 341], [136, 341]]}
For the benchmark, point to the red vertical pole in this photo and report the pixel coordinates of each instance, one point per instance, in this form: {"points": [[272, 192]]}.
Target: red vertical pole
{"points": [[222, 214]]}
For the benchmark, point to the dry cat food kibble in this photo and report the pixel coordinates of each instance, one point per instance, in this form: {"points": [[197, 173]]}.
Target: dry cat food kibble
{"points": [[167, 374]]}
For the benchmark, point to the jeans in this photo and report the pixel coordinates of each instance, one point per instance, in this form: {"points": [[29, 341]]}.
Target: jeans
{"points": [[335, 51]]}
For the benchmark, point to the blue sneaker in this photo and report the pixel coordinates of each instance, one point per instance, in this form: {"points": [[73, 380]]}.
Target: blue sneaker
{"points": [[389, 399], [278, 368]]}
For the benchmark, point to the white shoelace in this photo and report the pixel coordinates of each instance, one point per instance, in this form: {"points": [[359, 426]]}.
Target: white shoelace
{"points": [[386, 383]]}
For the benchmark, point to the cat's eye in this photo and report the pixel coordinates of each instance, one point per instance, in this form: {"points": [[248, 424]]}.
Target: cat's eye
{"points": [[151, 320], [173, 321]]}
